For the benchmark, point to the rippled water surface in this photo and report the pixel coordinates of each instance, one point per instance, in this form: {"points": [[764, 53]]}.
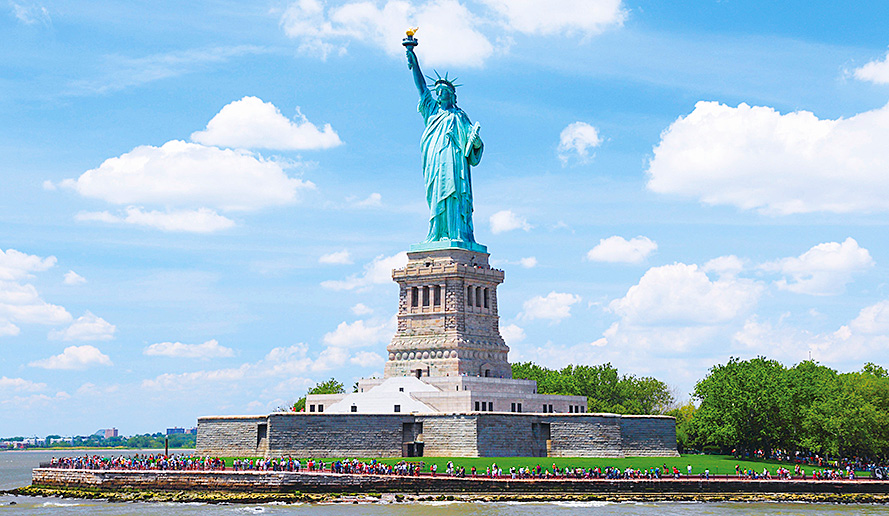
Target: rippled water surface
{"points": [[15, 471]]}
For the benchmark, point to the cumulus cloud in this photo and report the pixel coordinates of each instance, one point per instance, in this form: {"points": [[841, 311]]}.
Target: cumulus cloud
{"points": [[183, 174], [74, 357], [528, 262], [361, 309], [250, 123], [681, 294], [336, 258], [86, 327], [506, 220], [862, 340], [20, 384], [205, 350], [72, 278], [16, 265], [377, 272], [202, 220], [577, 139], [367, 359], [823, 270], [755, 158], [555, 306], [372, 201], [359, 334], [449, 30], [20, 303], [872, 320], [875, 71], [617, 249], [729, 265], [562, 17], [512, 334]]}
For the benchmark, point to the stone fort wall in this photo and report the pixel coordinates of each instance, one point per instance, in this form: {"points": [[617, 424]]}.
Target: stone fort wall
{"points": [[443, 435]]}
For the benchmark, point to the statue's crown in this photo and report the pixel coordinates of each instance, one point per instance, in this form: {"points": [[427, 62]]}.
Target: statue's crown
{"points": [[438, 80]]}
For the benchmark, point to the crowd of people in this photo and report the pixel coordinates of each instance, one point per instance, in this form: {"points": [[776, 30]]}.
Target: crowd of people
{"points": [[409, 468], [140, 462]]}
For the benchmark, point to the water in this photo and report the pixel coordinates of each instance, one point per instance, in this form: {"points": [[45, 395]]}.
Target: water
{"points": [[15, 471]]}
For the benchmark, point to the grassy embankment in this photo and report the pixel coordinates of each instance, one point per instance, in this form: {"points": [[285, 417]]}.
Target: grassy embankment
{"points": [[717, 464]]}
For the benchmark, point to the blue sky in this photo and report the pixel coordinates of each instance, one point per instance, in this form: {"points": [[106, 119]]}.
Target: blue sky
{"points": [[201, 203]]}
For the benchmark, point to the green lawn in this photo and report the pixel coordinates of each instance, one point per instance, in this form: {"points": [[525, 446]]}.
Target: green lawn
{"points": [[717, 464]]}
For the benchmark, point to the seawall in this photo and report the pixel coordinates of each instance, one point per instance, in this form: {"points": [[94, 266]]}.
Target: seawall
{"points": [[304, 482]]}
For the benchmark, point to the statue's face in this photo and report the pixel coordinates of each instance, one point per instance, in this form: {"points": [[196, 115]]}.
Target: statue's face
{"points": [[446, 95]]}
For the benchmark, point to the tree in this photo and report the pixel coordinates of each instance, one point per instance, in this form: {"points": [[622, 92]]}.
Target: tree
{"points": [[744, 404], [606, 391], [685, 434], [329, 387]]}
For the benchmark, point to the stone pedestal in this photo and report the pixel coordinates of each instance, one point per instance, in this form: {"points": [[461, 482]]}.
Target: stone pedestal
{"points": [[447, 317]]}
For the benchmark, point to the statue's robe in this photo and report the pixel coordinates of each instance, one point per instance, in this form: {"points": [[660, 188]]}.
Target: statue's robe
{"points": [[447, 157]]}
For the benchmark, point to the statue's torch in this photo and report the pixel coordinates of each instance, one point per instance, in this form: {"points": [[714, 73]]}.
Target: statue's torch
{"points": [[409, 43]]}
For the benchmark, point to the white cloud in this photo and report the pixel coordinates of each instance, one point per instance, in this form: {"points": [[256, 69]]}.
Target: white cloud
{"points": [[20, 384], [336, 258], [72, 278], [506, 220], [330, 358], [205, 350], [202, 220], [121, 72], [29, 12], [564, 17], [250, 123], [181, 174], [16, 265], [825, 269], [361, 309], [757, 158], [577, 139], [20, 302], [86, 327], [359, 334], [372, 201], [529, 262], [729, 265], [845, 348], [377, 272], [682, 294], [449, 33], [875, 71], [872, 320], [555, 306], [512, 334], [617, 249], [74, 357], [367, 359]]}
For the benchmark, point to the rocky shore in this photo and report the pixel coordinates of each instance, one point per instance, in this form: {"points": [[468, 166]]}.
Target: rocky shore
{"points": [[214, 497], [314, 487]]}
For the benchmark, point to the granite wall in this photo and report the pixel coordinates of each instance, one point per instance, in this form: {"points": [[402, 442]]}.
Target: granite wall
{"points": [[444, 435]]}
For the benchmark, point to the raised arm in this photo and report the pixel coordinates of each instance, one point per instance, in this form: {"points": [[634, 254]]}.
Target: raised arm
{"points": [[414, 66]]}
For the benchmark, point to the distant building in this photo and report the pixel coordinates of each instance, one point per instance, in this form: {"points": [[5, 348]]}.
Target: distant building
{"points": [[192, 431], [175, 430], [110, 432]]}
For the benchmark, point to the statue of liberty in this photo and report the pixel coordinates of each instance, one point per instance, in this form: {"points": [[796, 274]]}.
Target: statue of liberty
{"points": [[450, 145]]}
